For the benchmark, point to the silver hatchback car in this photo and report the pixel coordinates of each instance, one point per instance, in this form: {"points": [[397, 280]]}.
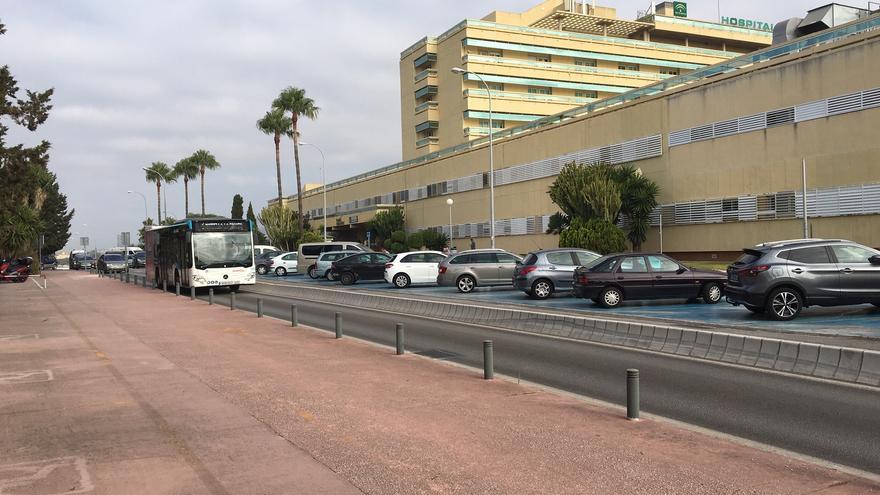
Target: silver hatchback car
{"points": [[477, 267], [545, 272]]}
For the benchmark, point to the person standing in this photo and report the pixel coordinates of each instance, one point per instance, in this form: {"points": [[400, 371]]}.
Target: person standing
{"points": [[473, 243]]}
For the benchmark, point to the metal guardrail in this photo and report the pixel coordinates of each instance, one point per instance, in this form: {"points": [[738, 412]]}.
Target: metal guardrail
{"points": [[794, 46]]}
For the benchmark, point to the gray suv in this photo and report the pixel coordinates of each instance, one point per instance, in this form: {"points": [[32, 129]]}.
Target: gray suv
{"points": [[781, 278], [552, 270], [477, 267]]}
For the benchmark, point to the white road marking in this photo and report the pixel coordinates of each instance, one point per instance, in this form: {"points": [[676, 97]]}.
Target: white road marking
{"points": [[31, 376], [4, 338], [31, 474]]}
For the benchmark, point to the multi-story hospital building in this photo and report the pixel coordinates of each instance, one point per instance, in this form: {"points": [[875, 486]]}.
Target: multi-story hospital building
{"points": [[721, 115]]}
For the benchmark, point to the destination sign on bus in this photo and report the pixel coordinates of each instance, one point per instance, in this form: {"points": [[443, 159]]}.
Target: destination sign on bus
{"points": [[221, 226]]}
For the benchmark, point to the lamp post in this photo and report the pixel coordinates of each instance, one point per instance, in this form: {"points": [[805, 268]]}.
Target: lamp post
{"points": [[449, 202], [459, 70], [323, 183], [145, 203]]}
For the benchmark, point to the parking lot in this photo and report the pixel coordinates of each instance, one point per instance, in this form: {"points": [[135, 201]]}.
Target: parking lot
{"points": [[850, 321]]}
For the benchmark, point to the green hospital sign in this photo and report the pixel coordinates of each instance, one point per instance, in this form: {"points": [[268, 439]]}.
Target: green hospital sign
{"points": [[747, 23], [680, 9]]}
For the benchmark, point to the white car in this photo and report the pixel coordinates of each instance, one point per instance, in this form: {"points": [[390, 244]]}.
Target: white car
{"points": [[414, 267], [283, 263], [322, 264]]}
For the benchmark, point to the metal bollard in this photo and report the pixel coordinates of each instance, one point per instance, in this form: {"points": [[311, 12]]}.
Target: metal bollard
{"points": [[294, 317], [164, 286], [338, 325], [400, 339], [488, 361], [144, 281], [176, 288], [259, 307], [210, 297], [232, 301], [632, 394], [192, 293], [127, 278]]}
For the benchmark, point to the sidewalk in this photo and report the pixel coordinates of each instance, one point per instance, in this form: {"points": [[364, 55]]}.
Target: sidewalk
{"points": [[125, 390]]}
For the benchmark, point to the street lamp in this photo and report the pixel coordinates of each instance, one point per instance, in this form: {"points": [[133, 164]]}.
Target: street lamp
{"points": [[145, 203], [449, 202], [459, 70], [323, 186], [164, 194]]}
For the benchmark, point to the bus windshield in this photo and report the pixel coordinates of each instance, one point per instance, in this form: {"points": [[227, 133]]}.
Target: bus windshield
{"points": [[222, 249]]}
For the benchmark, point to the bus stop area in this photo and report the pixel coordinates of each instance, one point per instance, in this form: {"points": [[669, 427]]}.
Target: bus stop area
{"points": [[111, 388]]}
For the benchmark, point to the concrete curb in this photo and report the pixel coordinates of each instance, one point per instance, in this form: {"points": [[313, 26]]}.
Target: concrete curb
{"points": [[829, 362]]}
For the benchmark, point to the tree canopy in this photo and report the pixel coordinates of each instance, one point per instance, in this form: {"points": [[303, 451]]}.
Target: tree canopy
{"points": [[237, 212]]}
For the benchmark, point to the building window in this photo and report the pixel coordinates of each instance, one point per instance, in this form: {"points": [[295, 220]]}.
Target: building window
{"points": [[669, 71], [541, 90], [632, 67], [585, 62], [496, 124], [540, 58], [586, 94], [494, 86], [488, 52]]}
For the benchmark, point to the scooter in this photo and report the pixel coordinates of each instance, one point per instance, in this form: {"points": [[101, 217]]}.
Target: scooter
{"points": [[16, 270]]}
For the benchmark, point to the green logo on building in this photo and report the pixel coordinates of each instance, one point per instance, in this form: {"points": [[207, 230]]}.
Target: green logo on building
{"points": [[680, 9]]}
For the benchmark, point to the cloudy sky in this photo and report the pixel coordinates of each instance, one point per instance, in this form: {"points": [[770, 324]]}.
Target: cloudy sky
{"points": [[137, 82]]}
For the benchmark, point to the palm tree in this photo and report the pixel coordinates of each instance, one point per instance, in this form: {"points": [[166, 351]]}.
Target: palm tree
{"points": [[274, 124], [294, 100], [205, 161], [187, 169], [157, 172]]}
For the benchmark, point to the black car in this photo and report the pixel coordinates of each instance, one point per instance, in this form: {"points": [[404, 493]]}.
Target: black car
{"points": [[781, 278], [611, 279], [48, 262], [82, 262], [363, 266], [262, 261]]}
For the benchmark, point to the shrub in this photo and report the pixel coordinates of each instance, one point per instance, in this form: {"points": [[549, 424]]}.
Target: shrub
{"points": [[596, 235]]}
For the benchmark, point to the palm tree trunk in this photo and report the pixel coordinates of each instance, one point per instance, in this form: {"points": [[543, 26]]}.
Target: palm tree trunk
{"points": [[278, 163], [299, 191], [158, 203], [202, 184], [185, 196]]}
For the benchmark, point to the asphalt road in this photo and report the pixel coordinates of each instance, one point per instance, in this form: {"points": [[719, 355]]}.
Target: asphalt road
{"points": [[829, 421]]}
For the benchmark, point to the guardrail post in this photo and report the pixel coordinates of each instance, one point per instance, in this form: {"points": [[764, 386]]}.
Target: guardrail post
{"points": [[632, 394], [338, 325], [400, 339], [294, 316], [211, 296], [488, 361], [259, 307], [176, 288], [192, 293], [232, 301]]}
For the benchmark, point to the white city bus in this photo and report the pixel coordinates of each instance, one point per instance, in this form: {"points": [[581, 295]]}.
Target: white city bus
{"points": [[201, 253]]}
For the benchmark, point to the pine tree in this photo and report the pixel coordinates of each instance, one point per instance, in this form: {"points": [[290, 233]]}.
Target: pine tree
{"points": [[237, 207], [259, 237], [55, 218]]}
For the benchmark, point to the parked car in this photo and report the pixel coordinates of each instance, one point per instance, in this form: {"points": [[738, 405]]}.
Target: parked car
{"points": [[781, 278], [111, 262], [261, 249], [477, 267], [82, 262], [308, 254], [262, 259], [413, 267], [323, 262], [542, 273], [138, 260], [48, 262], [282, 263], [611, 279], [362, 266]]}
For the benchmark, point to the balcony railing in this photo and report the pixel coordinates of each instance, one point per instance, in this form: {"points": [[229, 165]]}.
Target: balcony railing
{"points": [[739, 63], [512, 95], [654, 76], [426, 141], [425, 106], [425, 73]]}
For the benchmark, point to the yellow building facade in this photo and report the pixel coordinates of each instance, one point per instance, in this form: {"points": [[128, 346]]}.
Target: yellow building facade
{"points": [[725, 143], [554, 57]]}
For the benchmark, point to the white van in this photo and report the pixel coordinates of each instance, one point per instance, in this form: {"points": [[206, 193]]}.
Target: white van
{"points": [[308, 254]]}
